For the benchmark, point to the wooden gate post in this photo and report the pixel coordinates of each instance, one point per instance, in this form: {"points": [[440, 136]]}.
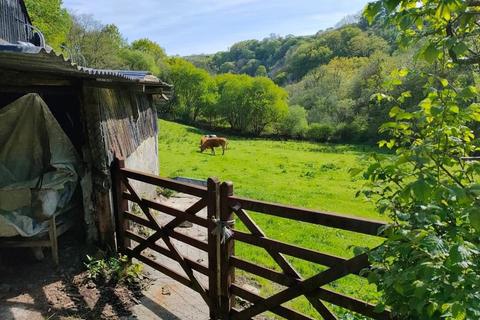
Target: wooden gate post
{"points": [[213, 214], [120, 205], [227, 250]]}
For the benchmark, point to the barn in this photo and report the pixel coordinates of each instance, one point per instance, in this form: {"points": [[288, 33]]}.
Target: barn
{"points": [[63, 125]]}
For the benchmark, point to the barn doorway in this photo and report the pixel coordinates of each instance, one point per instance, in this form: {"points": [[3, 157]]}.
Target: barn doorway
{"points": [[41, 141]]}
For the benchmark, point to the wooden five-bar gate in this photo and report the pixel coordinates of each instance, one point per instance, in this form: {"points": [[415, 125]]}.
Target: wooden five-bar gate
{"points": [[223, 207]]}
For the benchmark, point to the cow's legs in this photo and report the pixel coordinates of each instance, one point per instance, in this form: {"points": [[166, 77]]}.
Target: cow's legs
{"points": [[213, 150]]}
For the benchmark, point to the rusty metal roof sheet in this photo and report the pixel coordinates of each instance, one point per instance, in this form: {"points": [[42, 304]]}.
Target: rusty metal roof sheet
{"points": [[27, 57]]}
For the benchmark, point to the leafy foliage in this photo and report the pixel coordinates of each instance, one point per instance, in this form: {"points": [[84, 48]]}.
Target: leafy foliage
{"points": [[250, 104], [195, 89], [429, 268], [51, 18], [295, 123], [113, 270]]}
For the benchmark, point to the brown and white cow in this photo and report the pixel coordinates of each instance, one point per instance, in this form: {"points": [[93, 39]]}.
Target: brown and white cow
{"points": [[212, 143]]}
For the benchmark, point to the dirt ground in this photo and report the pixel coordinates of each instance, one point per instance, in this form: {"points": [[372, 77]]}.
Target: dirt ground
{"points": [[31, 289]]}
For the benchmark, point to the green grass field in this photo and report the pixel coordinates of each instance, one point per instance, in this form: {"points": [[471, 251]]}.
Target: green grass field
{"points": [[290, 172]]}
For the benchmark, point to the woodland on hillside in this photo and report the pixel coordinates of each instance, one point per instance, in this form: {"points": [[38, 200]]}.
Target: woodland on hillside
{"points": [[315, 87]]}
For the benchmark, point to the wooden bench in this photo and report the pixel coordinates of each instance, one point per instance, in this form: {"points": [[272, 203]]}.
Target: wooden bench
{"points": [[46, 239]]}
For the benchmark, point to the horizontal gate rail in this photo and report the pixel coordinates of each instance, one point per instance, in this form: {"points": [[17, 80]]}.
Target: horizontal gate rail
{"points": [[173, 234], [291, 250], [167, 210], [183, 187], [193, 264], [350, 223]]}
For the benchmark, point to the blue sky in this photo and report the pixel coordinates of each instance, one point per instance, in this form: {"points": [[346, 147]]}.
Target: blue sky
{"points": [[206, 26]]}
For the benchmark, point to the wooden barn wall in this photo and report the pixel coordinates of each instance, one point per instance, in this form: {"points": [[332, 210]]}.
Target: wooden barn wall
{"points": [[12, 22], [118, 120]]}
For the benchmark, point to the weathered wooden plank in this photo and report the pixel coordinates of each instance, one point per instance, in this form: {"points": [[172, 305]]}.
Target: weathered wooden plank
{"points": [[288, 249], [287, 268], [193, 264], [213, 212], [227, 250], [165, 270], [352, 304], [169, 210], [338, 299], [171, 233], [166, 183], [120, 205], [307, 286], [333, 220], [285, 312]]}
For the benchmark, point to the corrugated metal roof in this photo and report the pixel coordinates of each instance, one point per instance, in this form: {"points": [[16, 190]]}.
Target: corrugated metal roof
{"points": [[27, 57]]}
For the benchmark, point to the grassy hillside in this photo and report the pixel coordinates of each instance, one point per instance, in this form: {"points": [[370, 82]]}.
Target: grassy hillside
{"points": [[296, 173]]}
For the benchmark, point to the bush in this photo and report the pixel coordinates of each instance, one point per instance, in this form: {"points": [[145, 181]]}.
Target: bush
{"points": [[113, 270], [295, 123], [320, 132], [344, 132]]}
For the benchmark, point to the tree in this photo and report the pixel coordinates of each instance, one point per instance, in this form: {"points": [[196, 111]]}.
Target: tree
{"points": [[153, 54], [150, 47], [98, 45], [233, 104], [268, 104], [138, 60], [295, 123], [195, 90], [52, 20], [429, 266], [306, 57], [250, 104]]}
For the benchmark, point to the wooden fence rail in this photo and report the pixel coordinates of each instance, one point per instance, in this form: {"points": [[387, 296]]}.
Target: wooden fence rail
{"points": [[223, 209]]}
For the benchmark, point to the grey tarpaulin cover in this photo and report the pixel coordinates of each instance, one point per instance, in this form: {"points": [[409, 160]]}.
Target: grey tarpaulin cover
{"points": [[38, 167]]}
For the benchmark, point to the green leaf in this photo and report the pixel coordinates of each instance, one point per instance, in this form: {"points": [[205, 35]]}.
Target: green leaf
{"points": [[443, 12], [460, 48], [426, 105], [444, 82], [391, 143], [372, 10], [458, 311], [394, 111], [392, 4], [403, 73], [431, 53], [468, 92], [475, 218], [454, 109]]}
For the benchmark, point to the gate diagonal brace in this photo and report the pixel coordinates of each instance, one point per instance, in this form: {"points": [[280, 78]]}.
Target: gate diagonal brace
{"points": [[307, 286]]}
